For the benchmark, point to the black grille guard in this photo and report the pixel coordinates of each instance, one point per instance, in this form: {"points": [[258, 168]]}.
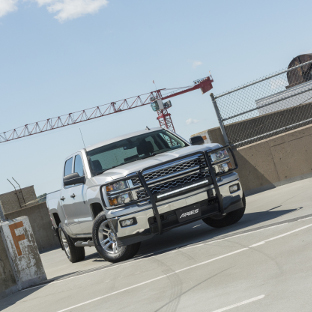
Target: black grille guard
{"points": [[153, 197]]}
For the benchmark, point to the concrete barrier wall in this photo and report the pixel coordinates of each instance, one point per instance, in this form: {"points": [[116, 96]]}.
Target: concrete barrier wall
{"points": [[15, 200], [41, 225], [216, 136], [274, 161]]}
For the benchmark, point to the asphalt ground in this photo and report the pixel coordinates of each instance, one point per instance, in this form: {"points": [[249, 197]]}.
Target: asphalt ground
{"points": [[262, 263]]}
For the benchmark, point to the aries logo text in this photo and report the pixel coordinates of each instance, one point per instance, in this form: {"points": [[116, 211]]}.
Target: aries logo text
{"points": [[189, 213]]}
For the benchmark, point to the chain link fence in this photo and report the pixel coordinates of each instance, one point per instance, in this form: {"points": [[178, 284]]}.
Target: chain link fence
{"points": [[266, 107]]}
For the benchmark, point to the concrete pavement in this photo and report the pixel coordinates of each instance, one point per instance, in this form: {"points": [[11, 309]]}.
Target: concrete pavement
{"points": [[262, 263]]}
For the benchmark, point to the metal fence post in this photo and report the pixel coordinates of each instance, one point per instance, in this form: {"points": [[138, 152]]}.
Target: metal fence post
{"points": [[2, 217], [214, 102]]}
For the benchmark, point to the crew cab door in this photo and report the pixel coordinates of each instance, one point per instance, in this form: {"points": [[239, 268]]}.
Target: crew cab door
{"points": [[73, 197]]}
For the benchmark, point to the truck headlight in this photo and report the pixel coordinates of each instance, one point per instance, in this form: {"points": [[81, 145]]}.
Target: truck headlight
{"points": [[117, 186], [221, 161], [220, 155], [225, 167], [119, 199], [118, 193]]}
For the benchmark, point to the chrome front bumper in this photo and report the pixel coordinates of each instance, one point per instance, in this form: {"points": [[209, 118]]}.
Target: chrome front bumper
{"points": [[205, 199]]}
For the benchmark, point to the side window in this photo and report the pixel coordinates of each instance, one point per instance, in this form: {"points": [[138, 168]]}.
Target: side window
{"points": [[68, 166], [78, 165]]}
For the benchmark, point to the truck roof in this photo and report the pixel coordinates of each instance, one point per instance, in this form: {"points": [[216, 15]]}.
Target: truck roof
{"points": [[125, 136]]}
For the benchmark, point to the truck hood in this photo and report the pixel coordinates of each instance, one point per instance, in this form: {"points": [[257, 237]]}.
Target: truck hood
{"points": [[135, 166]]}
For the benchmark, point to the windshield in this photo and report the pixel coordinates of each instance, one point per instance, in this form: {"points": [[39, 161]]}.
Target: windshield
{"points": [[128, 150]]}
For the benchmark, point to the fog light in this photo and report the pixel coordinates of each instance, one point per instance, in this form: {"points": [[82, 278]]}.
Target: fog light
{"points": [[234, 188], [128, 222]]}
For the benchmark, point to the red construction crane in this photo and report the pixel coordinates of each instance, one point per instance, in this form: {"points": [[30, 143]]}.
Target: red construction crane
{"points": [[164, 117]]}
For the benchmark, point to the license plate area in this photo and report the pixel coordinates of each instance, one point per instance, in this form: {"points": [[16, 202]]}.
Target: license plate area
{"points": [[188, 213]]}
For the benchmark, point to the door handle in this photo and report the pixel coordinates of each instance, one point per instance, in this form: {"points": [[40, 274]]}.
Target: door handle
{"points": [[73, 195], [62, 198]]}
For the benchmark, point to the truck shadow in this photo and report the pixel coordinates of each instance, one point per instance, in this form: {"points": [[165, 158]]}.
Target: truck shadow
{"points": [[198, 232]]}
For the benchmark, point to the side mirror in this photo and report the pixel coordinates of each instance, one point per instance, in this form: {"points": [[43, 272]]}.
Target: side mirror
{"points": [[197, 140], [73, 178]]}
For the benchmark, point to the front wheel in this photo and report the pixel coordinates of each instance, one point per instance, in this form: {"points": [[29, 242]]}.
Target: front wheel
{"points": [[230, 218], [73, 253], [105, 241]]}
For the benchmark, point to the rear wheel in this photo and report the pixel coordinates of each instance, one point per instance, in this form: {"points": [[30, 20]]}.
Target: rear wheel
{"points": [[73, 253], [106, 243], [219, 221]]}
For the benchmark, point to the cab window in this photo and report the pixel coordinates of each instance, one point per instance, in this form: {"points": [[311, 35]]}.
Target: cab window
{"points": [[78, 166], [68, 166]]}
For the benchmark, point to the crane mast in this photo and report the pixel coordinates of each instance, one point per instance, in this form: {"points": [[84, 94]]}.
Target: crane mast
{"points": [[73, 118], [164, 119]]}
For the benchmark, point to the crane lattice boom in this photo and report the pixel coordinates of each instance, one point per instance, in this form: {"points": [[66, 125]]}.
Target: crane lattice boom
{"points": [[101, 111]]}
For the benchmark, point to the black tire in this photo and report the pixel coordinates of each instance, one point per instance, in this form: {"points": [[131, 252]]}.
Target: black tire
{"points": [[219, 221], [101, 232], [73, 253]]}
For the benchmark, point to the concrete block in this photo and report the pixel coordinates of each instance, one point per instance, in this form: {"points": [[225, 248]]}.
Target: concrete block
{"points": [[40, 223], [22, 252], [8, 284]]}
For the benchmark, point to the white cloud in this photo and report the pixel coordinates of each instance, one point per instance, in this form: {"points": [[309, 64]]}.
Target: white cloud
{"points": [[70, 9], [7, 6], [196, 64], [64, 9], [191, 121]]}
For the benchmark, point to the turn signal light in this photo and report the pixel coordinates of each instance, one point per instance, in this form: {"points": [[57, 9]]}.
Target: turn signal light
{"points": [[109, 188], [113, 201]]}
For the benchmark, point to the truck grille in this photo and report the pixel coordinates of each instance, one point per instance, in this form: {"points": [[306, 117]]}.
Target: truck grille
{"points": [[171, 170], [173, 176], [141, 194]]}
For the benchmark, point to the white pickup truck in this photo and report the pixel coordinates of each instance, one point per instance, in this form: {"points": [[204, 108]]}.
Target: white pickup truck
{"points": [[125, 190]]}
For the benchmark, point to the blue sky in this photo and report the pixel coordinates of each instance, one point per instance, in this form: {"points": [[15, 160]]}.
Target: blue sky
{"points": [[60, 56]]}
